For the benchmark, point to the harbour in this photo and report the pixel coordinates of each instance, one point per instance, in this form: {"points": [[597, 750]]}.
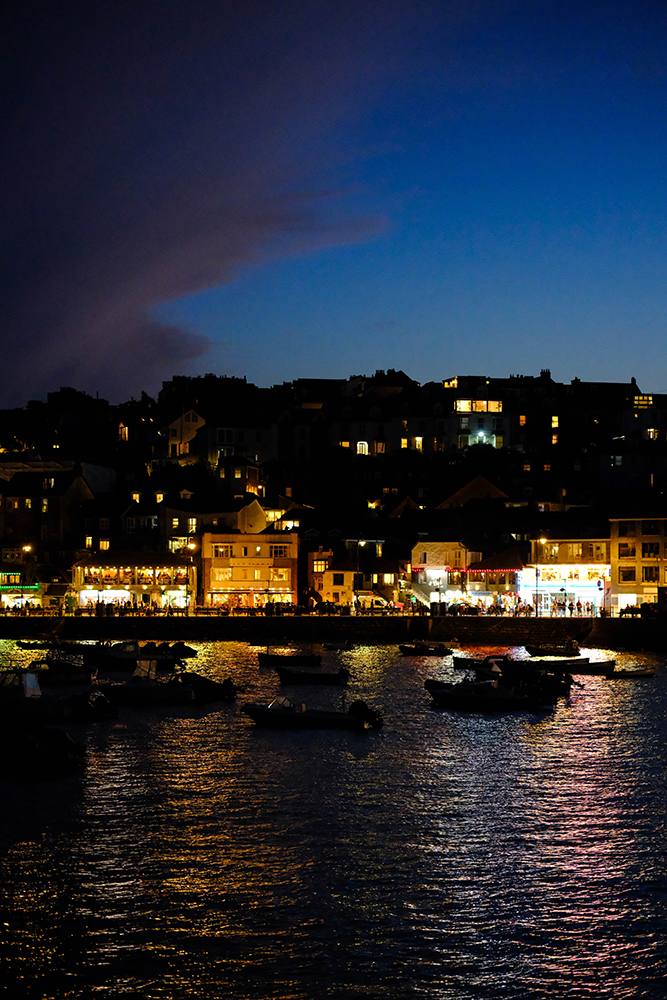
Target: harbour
{"points": [[447, 854]]}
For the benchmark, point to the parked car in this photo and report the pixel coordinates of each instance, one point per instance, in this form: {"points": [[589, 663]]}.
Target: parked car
{"points": [[463, 609]]}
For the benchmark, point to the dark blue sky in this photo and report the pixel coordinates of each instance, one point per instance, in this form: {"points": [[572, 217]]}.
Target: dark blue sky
{"points": [[293, 189]]}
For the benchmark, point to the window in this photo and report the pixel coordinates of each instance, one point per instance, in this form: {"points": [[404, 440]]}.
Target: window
{"points": [[650, 550], [104, 544], [650, 527], [388, 578], [419, 443], [652, 433], [643, 402], [278, 551], [89, 541], [626, 528], [136, 497], [319, 566], [238, 473], [626, 550], [174, 524], [500, 440], [526, 466], [258, 574], [378, 549], [404, 442], [463, 405], [45, 505], [27, 503], [379, 447], [220, 574], [554, 439], [129, 525], [547, 467], [159, 497], [424, 557], [627, 574], [104, 524], [362, 447], [280, 575], [244, 550], [192, 525], [338, 579], [650, 574], [222, 551], [344, 444]]}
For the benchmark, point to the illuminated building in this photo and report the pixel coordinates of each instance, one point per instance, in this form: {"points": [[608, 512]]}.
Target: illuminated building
{"points": [[638, 561], [249, 570], [567, 570]]}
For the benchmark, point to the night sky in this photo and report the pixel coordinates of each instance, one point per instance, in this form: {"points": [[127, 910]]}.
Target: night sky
{"points": [[319, 189]]}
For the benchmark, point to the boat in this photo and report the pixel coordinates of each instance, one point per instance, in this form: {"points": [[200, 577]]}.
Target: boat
{"points": [[125, 655], [630, 672], [339, 646], [424, 649], [282, 713], [475, 662], [288, 659], [289, 676], [568, 648], [481, 696], [147, 688], [594, 668], [62, 668]]}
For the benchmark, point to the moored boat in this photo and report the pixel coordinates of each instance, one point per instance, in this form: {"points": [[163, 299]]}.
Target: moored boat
{"points": [[424, 649], [282, 713], [568, 648], [339, 646], [629, 672], [593, 668], [481, 696]]}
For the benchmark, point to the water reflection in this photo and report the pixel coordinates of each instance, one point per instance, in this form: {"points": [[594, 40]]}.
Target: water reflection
{"points": [[447, 855]]}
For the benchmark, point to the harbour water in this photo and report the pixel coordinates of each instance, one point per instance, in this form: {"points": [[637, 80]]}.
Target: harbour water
{"points": [[446, 856]]}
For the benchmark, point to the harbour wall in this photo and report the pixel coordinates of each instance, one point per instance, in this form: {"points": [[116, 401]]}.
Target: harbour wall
{"points": [[615, 634]]}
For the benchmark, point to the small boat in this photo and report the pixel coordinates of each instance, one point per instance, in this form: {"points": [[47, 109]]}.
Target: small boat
{"points": [[593, 668], [281, 713], [480, 696], [568, 648], [289, 676], [339, 646], [62, 668], [425, 649], [288, 659], [630, 672]]}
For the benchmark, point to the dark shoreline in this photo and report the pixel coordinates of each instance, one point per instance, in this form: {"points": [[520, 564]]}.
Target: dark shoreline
{"points": [[614, 634]]}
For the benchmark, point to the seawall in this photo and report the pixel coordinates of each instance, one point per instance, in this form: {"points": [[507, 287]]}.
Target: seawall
{"points": [[619, 634]]}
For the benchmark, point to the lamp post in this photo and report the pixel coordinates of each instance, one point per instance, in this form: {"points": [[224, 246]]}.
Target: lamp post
{"points": [[540, 543], [191, 590]]}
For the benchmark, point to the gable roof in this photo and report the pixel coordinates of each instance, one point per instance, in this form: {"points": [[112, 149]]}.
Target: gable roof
{"points": [[478, 488]]}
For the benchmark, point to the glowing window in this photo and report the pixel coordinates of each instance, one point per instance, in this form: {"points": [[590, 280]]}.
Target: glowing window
{"points": [[404, 442], [419, 443], [104, 543], [362, 447], [554, 421], [522, 421], [554, 439]]}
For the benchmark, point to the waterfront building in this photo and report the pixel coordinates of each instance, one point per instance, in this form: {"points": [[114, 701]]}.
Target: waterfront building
{"points": [[249, 570], [638, 560], [135, 579], [564, 571], [440, 570]]}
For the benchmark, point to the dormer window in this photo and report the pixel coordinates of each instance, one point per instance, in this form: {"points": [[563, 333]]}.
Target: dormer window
{"points": [[136, 497]]}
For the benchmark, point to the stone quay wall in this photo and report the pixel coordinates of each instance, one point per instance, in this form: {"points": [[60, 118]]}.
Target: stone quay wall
{"points": [[615, 634]]}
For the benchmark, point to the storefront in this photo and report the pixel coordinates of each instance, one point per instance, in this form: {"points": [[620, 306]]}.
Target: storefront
{"points": [[141, 581], [565, 589]]}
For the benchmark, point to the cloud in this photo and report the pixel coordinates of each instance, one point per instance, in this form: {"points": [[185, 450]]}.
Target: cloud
{"points": [[156, 150]]}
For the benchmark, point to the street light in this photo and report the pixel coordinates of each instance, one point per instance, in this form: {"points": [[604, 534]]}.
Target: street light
{"points": [[540, 542]]}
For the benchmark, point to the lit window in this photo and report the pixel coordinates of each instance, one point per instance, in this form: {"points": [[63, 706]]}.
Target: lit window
{"points": [[378, 549], [45, 505], [463, 405], [159, 497], [404, 442], [122, 432], [192, 525], [136, 497], [547, 467], [280, 575], [554, 439], [104, 543], [388, 578], [643, 402], [89, 541], [222, 551], [379, 447], [319, 566], [28, 503], [278, 551], [238, 473], [652, 433], [345, 444], [362, 447], [554, 421], [258, 574], [522, 421], [419, 443], [500, 440], [526, 466]]}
